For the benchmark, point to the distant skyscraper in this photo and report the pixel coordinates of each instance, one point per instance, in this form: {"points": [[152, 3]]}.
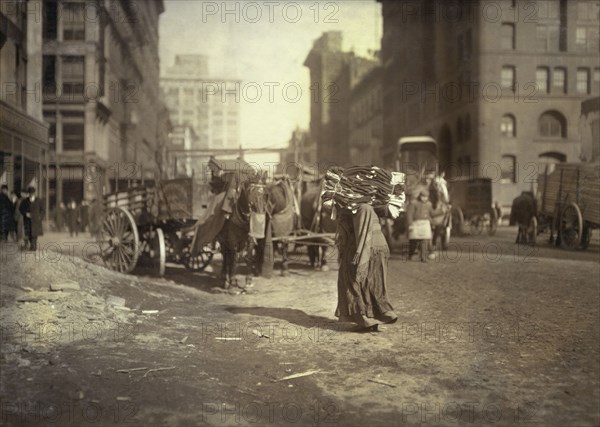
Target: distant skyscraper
{"points": [[210, 106]]}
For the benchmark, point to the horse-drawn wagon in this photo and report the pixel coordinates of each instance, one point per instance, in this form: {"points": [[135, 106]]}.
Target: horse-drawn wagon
{"points": [[152, 225], [472, 208], [568, 204]]}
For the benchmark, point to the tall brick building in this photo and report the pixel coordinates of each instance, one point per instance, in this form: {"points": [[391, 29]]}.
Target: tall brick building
{"points": [[333, 75], [499, 84], [101, 94]]}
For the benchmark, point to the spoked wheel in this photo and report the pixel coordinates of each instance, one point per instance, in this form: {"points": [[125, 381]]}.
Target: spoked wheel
{"points": [[154, 251], [199, 261], [119, 241], [571, 227]]}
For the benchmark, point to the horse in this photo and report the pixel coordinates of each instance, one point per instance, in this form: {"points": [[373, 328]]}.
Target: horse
{"points": [[522, 211], [316, 220], [276, 202], [230, 224], [440, 201]]}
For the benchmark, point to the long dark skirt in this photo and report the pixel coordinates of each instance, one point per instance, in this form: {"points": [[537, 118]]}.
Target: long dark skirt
{"points": [[367, 297]]}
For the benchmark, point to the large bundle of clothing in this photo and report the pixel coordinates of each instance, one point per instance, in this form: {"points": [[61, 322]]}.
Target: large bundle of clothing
{"points": [[348, 188]]}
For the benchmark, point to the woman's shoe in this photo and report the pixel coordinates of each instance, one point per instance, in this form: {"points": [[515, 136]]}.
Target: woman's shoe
{"points": [[388, 317]]}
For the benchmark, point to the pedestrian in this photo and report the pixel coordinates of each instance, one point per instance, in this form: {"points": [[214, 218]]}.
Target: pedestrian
{"points": [[95, 217], [498, 211], [19, 220], [84, 215], [73, 218], [418, 218], [14, 198], [362, 276], [59, 218], [32, 209], [6, 213]]}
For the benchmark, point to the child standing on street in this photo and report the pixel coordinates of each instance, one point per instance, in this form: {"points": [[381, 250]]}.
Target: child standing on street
{"points": [[418, 217]]}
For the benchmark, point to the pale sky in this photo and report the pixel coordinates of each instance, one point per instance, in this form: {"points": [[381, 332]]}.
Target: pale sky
{"points": [[264, 52]]}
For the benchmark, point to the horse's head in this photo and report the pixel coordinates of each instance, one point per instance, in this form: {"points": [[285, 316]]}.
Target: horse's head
{"points": [[255, 195], [439, 190]]}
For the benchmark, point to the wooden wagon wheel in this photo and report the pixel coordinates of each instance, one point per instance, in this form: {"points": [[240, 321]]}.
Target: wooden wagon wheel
{"points": [[199, 261], [571, 227], [158, 251], [119, 241]]}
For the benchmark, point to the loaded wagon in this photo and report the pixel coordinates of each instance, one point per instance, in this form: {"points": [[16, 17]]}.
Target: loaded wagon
{"points": [[568, 204], [152, 225], [472, 209]]}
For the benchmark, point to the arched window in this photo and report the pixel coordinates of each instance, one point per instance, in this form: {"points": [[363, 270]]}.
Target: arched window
{"points": [[508, 169], [552, 124], [508, 127]]}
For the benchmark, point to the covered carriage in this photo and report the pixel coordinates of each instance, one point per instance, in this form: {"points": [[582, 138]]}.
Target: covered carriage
{"points": [[472, 206]]}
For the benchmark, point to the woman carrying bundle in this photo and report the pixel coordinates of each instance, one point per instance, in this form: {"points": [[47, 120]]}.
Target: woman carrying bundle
{"points": [[362, 277]]}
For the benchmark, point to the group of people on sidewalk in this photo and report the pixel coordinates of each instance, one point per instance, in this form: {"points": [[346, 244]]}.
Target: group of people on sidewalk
{"points": [[21, 217], [78, 217]]}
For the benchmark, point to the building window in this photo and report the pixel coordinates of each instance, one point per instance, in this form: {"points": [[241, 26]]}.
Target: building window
{"points": [[559, 80], [548, 9], [588, 10], [72, 16], [73, 136], [73, 77], [596, 80], [50, 21], [552, 124], [593, 40], [548, 39], [542, 77], [508, 77], [508, 128], [581, 38], [508, 36], [49, 75], [583, 80], [508, 169]]}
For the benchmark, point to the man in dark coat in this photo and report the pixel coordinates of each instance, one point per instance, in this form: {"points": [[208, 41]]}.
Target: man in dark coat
{"points": [[61, 211], [73, 218], [84, 215], [32, 209], [7, 211]]}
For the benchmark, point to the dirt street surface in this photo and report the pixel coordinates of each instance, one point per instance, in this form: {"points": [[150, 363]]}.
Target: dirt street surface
{"points": [[488, 334]]}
